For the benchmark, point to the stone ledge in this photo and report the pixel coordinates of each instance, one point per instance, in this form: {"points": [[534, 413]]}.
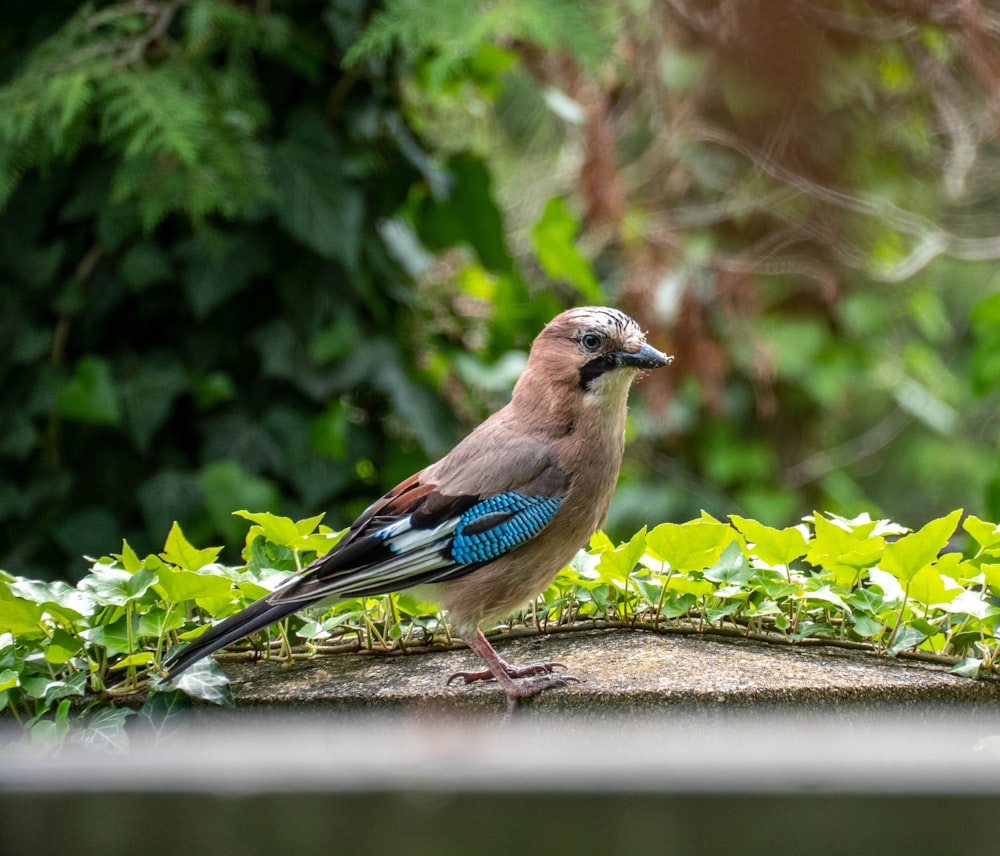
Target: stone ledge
{"points": [[620, 671], [671, 743]]}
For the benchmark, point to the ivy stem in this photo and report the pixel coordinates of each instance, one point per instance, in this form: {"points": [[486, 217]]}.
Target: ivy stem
{"points": [[133, 681], [899, 615], [394, 614]]}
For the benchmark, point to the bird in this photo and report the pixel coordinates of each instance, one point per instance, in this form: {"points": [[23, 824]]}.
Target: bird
{"points": [[491, 523]]}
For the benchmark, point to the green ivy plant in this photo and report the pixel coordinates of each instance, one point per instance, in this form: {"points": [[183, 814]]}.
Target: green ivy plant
{"points": [[77, 661]]}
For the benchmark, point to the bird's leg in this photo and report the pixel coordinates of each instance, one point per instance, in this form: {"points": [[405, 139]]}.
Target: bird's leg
{"points": [[506, 675]]}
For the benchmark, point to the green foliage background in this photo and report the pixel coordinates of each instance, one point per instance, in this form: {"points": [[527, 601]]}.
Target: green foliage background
{"points": [[200, 309], [279, 255]]}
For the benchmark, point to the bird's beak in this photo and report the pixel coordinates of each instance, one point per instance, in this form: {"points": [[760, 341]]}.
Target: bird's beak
{"points": [[647, 357]]}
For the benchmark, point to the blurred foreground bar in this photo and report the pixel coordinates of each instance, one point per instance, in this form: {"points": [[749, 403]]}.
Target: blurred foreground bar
{"points": [[853, 782]]}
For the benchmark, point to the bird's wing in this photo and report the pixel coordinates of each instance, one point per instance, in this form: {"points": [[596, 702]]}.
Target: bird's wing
{"points": [[418, 533]]}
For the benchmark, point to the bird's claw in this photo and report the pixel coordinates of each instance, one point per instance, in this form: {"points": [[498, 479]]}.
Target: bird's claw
{"points": [[512, 671]]}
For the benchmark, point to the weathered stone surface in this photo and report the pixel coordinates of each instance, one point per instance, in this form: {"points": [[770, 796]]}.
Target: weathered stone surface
{"points": [[619, 672]]}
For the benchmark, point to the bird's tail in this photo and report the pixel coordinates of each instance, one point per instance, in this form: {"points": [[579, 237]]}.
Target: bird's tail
{"points": [[255, 617]]}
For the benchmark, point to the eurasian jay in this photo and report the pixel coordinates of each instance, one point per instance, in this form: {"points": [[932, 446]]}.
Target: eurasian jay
{"points": [[492, 522]]}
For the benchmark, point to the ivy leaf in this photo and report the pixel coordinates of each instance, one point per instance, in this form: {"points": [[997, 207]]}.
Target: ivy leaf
{"points": [[140, 658], [211, 592], [986, 534], [158, 621], [892, 591], [867, 601], [691, 546], [164, 715], [675, 607], [128, 558], [839, 546], [824, 594], [106, 730], [991, 576], [114, 586], [74, 685], [8, 679], [773, 584], [50, 690], [114, 638], [968, 668], [773, 546], [907, 637], [179, 551], [732, 567], [204, 681], [649, 591], [148, 396], [911, 553], [971, 603], [930, 587], [688, 585], [867, 627], [62, 647], [278, 530], [622, 560], [19, 616], [806, 629]]}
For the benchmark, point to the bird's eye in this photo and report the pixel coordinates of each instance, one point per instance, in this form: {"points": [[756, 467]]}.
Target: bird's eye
{"points": [[590, 341]]}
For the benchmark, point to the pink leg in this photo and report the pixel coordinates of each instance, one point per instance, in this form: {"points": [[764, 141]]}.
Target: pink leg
{"points": [[506, 675]]}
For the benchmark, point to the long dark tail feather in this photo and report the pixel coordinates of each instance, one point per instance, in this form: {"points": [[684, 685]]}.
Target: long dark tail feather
{"points": [[255, 617]]}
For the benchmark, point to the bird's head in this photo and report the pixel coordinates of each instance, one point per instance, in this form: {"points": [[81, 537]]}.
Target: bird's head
{"points": [[595, 350]]}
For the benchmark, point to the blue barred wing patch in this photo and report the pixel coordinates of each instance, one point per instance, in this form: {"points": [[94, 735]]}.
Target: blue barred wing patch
{"points": [[496, 525]]}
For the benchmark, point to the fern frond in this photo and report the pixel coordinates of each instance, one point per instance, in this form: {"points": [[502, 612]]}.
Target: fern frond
{"points": [[457, 28]]}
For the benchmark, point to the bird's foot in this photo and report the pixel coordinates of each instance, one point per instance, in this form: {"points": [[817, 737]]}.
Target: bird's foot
{"points": [[518, 682], [521, 681], [512, 672]]}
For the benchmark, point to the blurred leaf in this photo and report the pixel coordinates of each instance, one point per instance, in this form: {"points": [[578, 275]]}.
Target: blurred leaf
{"points": [[468, 214], [226, 484], [164, 715], [89, 395], [986, 356], [554, 236], [316, 202], [148, 397], [105, 730]]}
